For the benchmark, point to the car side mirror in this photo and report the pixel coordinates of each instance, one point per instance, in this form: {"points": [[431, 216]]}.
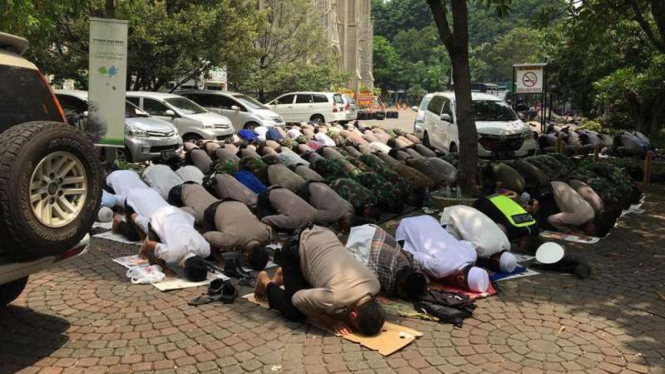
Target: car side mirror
{"points": [[235, 107], [446, 117], [169, 113], [414, 108], [521, 116]]}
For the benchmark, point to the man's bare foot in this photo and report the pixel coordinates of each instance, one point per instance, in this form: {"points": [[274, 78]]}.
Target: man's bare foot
{"points": [[117, 218], [278, 279], [262, 281]]}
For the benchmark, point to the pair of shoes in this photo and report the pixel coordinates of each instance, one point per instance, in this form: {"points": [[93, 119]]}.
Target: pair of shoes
{"points": [[218, 290], [227, 291]]}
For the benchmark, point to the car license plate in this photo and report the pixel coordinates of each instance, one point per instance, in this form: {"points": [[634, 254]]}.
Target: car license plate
{"points": [[168, 154], [503, 155]]}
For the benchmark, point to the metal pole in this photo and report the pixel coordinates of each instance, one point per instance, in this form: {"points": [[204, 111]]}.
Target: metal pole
{"points": [[110, 153]]}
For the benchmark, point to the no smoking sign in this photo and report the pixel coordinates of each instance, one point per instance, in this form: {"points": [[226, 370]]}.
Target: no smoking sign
{"points": [[529, 79]]}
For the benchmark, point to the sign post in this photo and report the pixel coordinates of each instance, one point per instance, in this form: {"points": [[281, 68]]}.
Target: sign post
{"points": [[530, 79], [107, 82]]}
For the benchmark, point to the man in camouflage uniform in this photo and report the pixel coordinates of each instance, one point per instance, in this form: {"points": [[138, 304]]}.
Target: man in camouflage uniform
{"points": [[362, 199], [328, 170], [351, 170], [388, 197], [402, 184], [612, 184], [223, 167], [555, 166], [339, 140], [257, 167], [418, 180]]}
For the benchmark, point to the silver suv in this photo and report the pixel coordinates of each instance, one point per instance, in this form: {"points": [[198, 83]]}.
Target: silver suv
{"points": [[146, 138], [50, 178], [243, 111], [192, 121]]}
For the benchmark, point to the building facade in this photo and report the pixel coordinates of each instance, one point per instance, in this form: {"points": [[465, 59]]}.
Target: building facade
{"points": [[349, 29]]}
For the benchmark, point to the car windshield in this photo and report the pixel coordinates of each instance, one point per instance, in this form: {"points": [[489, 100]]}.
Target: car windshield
{"points": [[185, 105], [492, 110], [249, 102], [425, 102], [132, 111]]}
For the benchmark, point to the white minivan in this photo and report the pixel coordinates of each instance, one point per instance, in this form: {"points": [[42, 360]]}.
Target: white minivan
{"points": [[243, 111], [309, 106], [501, 134], [192, 121]]}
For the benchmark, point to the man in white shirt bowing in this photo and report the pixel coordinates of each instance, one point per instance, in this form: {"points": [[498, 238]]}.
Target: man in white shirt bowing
{"points": [[171, 237], [123, 181], [440, 255], [491, 243], [162, 178]]}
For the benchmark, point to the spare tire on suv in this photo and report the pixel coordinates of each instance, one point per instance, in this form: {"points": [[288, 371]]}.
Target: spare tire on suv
{"points": [[50, 188]]}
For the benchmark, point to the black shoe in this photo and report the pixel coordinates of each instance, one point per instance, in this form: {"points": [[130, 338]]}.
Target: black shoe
{"points": [[229, 293], [231, 270]]}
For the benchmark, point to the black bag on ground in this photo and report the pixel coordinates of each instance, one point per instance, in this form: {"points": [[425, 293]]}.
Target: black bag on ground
{"points": [[445, 314], [449, 299]]}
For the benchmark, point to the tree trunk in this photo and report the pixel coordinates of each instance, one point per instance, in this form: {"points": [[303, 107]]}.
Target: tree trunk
{"points": [[109, 9], [468, 136]]}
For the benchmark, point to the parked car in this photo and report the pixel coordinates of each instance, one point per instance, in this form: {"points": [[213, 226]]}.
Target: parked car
{"points": [[50, 178], [192, 120], [501, 134], [350, 109], [309, 106], [420, 117], [243, 111], [146, 138]]}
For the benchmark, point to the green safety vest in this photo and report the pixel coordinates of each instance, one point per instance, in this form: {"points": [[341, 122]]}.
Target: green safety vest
{"points": [[517, 216]]}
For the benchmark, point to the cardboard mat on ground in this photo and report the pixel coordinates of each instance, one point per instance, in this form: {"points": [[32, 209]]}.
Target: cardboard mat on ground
{"points": [[391, 339]]}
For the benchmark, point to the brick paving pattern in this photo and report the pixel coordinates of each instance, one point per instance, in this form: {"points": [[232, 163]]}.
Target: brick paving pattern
{"points": [[85, 317]]}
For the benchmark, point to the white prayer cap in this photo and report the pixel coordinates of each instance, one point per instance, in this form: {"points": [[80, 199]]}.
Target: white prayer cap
{"points": [[105, 214], [478, 280], [507, 262]]}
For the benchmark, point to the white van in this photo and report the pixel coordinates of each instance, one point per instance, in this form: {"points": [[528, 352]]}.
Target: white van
{"points": [[501, 134], [309, 106], [192, 121], [243, 111]]}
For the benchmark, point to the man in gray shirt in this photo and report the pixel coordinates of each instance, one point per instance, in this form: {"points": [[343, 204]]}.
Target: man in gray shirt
{"points": [[323, 281]]}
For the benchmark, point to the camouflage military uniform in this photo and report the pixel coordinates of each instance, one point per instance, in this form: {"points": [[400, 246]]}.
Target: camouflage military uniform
{"points": [[417, 179], [339, 140], [224, 167], [286, 142], [301, 139], [350, 169], [373, 162], [329, 170], [359, 164], [252, 164], [612, 184], [388, 196], [552, 166], [353, 192], [404, 186]]}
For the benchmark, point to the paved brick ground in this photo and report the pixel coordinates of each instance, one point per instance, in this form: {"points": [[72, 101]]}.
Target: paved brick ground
{"points": [[85, 317]]}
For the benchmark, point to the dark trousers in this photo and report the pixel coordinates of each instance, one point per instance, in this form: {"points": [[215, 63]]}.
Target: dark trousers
{"points": [[127, 228], [294, 281]]}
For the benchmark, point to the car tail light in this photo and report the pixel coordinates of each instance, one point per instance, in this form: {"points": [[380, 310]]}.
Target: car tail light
{"points": [[55, 99], [334, 107], [348, 106]]}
